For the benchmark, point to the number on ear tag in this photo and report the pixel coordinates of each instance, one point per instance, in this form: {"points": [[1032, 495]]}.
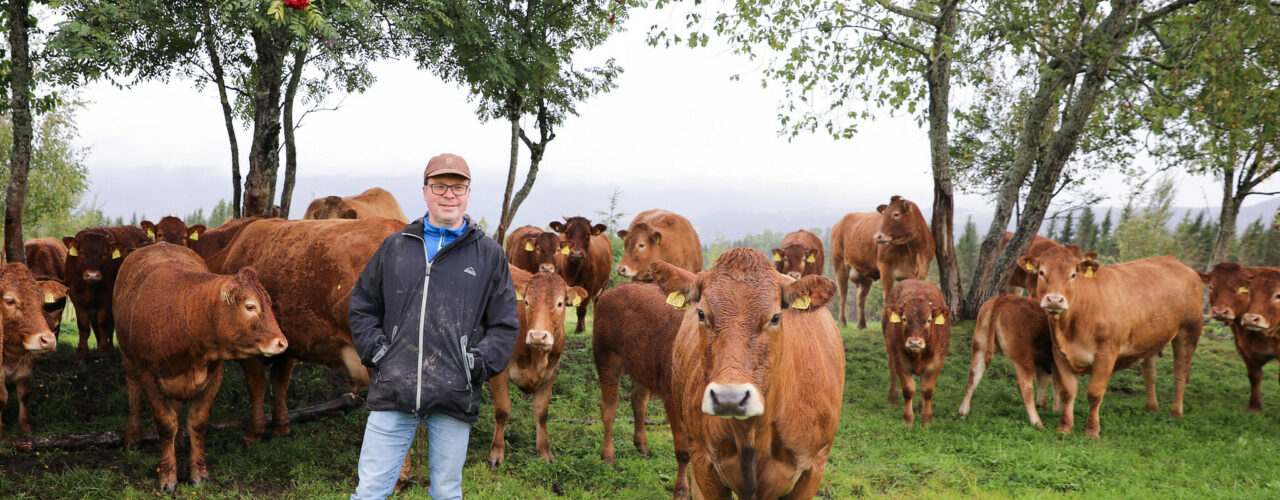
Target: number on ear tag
{"points": [[801, 303], [676, 299], [894, 318], [528, 246], [115, 254], [810, 259], [942, 320]]}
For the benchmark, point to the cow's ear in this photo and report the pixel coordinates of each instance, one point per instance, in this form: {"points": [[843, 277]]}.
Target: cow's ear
{"points": [[598, 229], [1204, 278], [811, 256], [1028, 263], [777, 255], [194, 232], [657, 238], [1075, 250], [622, 234], [808, 293], [680, 286], [1087, 268], [890, 315], [55, 295], [557, 226], [149, 227], [1250, 272], [117, 251], [528, 244], [1091, 255], [349, 213], [881, 208], [565, 247], [575, 296], [73, 246], [519, 280]]}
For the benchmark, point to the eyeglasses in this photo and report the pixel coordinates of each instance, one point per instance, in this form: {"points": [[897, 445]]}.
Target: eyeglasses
{"points": [[458, 189]]}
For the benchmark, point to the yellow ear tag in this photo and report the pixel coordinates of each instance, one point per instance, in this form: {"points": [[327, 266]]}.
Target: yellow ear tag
{"points": [[810, 259], [528, 247], [71, 252], [565, 250], [151, 234], [942, 320], [1030, 267], [1243, 289], [777, 258], [519, 296], [1088, 272], [676, 299], [115, 254], [576, 300], [195, 236], [801, 303], [894, 318], [657, 241], [48, 298]]}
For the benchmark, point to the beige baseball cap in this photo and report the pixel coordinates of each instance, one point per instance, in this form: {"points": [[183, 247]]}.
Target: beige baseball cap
{"points": [[447, 163]]}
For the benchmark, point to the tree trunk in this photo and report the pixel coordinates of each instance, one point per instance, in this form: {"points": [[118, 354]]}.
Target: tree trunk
{"points": [[20, 164], [504, 219], [943, 223], [264, 154], [291, 148], [220, 80], [1226, 219]]}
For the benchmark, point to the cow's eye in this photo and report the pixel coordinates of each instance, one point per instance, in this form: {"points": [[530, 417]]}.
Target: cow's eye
{"points": [[559, 304], [10, 301], [639, 245], [1042, 272], [702, 316], [777, 317], [1073, 275], [251, 307], [896, 214]]}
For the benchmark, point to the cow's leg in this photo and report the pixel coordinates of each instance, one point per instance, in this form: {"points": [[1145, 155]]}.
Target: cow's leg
{"points": [[165, 411], [1043, 381], [976, 369], [1055, 375], [359, 373], [928, 381], [1184, 347], [281, 370], [198, 421], [256, 381], [1070, 383], [107, 321], [24, 414], [893, 372], [1255, 386], [4, 397], [639, 405], [908, 392], [1026, 376], [706, 481], [83, 327], [1148, 368], [864, 289], [500, 387], [582, 317], [133, 426], [541, 405], [807, 484], [680, 440], [609, 368], [1104, 362], [842, 284]]}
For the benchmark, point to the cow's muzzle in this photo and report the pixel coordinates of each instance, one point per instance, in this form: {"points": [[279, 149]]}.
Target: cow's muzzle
{"points": [[882, 239], [539, 339], [40, 342], [626, 271], [1054, 303], [794, 275], [92, 276], [1222, 313], [1255, 322], [547, 268], [732, 400], [273, 346], [915, 344]]}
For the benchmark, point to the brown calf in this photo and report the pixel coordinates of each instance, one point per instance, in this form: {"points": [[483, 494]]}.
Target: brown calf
{"points": [[373, 202], [1228, 299], [589, 261], [534, 250], [93, 257], [1263, 314], [633, 333], [757, 375], [47, 258], [659, 235], [866, 247], [25, 333], [917, 332], [535, 362], [1108, 318], [173, 231], [178, 323], [800, 255], [1018, 328]]}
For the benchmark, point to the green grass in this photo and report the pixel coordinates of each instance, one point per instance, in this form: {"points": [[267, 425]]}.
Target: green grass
{"points": [[1217, 451]]}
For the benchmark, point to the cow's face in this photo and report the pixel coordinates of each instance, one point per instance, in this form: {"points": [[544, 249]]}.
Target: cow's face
{"points": [[640, 249], [897, 222], [1263, 312], [796, 261], [577, 231], [543, 247], [55, 300], [333, 207], [173, 231], [921, 321], [1057, 271], [542, 299], [93, 255], [22, 310], [1228, 290], [740, 307], [248, 324]]}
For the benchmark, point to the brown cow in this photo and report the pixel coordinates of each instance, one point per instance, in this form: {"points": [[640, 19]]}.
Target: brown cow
{"points": [[1228, 297], [47, 258], [757, 375], [534, 250], [800, 255], [535, 362], [178, 323], [173, 231], [93, 257], [1022, 278], [214, 240], [868, 246], [1018, 328], [633, 332], [309, 268], [373, 202], [25, 333], [1107, 318], [656, 235], [917, 332], [589, 261]]}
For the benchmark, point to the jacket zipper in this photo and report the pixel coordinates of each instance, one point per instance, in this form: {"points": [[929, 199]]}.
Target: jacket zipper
{"points": [[422, 316]]}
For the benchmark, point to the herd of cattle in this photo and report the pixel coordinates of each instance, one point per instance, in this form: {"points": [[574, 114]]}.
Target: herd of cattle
{"points": [[745, 356]]}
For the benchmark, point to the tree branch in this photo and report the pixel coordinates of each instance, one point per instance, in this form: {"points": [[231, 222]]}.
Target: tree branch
{"points": [[1161, 12], [905, 12]]}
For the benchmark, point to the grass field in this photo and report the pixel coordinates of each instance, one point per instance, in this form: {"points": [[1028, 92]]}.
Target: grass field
{"points": [[1217, 451]]}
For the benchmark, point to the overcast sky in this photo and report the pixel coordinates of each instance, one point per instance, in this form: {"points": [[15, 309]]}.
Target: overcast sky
{"points": [[676, 134]]}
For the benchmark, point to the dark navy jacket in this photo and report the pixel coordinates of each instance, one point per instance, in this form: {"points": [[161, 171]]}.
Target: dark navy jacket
{"points": [[434, 333]]}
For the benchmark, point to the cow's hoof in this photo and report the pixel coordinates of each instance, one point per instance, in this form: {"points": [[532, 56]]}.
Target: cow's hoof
{"points": [[1254, 409], [169, 488], [1065, 429], [282, 430], [493, 464]]}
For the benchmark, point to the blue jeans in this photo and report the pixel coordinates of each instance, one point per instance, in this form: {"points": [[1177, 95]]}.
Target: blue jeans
{"points": [[387, 437]]}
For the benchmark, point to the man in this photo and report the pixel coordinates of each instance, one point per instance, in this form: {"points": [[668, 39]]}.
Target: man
{"points": [[434, 316]]}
